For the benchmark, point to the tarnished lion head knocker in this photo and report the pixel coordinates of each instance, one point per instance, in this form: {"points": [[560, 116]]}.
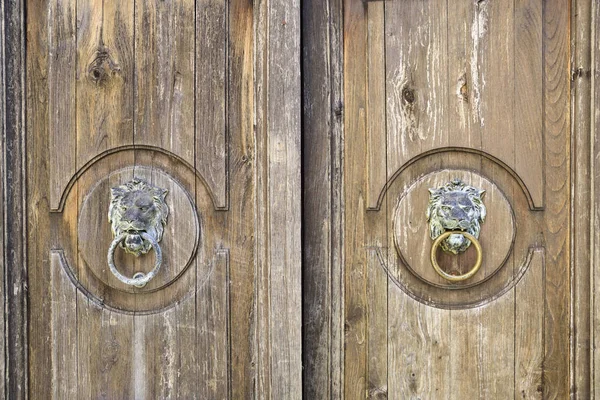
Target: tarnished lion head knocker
{"points": [[137, 210], [455, 207]]}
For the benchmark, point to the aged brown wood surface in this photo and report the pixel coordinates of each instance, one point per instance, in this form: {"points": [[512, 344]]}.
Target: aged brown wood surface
{"points": [[14, 221], [323, 328], [482, 87], [198, 97]]}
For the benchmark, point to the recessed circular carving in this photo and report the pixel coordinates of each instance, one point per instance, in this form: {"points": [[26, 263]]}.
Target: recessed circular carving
{"points": [[413, 243], [179, 240]]}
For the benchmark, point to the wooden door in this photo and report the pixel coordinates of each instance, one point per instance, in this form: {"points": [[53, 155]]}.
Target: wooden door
{"points": [[478, 91], [198, 101]]}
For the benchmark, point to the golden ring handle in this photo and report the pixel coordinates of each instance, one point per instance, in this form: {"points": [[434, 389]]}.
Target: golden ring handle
{"points": [[456, 278]]}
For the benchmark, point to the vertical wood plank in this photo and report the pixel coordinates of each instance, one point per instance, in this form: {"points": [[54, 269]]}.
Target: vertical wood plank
{"points": [[322, 110], [376, 103], [557, 214], [211, 96], [165, 76], [278, 145], [463, 77], [583, 52], [316, 200], [416, 73], [241, 232], [63, 332], [355, 278], [62, 70], [496, 69], [212, 315], [38, 176], [482, 350], [13, 62], [529, 333], [420, 342], [595, 191], [528, 81], [104, 88]]}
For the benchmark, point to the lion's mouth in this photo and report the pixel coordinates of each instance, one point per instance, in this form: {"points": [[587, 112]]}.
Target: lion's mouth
{"points": [[134, 242]]}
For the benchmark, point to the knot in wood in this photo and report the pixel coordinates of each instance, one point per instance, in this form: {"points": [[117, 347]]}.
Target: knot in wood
{"points": [[102, 67], [408, 95]]}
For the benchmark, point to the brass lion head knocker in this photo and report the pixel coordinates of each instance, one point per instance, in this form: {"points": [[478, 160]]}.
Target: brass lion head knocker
{"points": [[455, 214], [138, 214]]}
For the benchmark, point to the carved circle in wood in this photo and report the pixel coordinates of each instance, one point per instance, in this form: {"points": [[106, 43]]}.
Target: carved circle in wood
{"points": [[179, 240], [413, 243]]}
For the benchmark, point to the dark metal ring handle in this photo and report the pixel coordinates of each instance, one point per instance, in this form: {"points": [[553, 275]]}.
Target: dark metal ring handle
{"points": [[139, 279]]}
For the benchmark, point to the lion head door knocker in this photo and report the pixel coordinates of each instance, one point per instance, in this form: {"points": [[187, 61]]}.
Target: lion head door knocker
{"points": [[138, 214], [455, 214]]}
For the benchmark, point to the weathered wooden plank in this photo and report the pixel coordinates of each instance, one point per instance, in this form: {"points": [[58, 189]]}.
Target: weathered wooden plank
{"points": [[63, 331], [355, 277], [529, 332], [528, 80], [2, 230], [112, 364], [594, 195], [38, 176], [376, 147], [420, 342], [165, 76], [241, 233], [12, 80], [482, 350], [377, 317], [62, 70], [212, 100], [316, 209], [212, 335], [557, 214], [320, 307], [104, 88], [495, 66], [416, 73], [463, 78], [583, 53], [278, 184]]}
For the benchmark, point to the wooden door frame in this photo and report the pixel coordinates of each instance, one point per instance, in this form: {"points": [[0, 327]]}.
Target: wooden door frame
{"points": [[323, 140]]}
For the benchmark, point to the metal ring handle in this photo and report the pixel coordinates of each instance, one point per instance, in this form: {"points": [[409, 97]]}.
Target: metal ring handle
{"points": [[139, 279], [456, 278]]}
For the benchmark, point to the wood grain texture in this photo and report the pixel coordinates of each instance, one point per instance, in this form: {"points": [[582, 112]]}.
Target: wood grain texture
{"points": [[105, 71], [212, 132], [452, 74], [529, 335], [322, 340], [138, 65], [164, 74], [38, 176], [278, 183], [355, 279], [583, 220], [62, 71], [594, 195], [557, 213], [15, 267], [63, 331]]}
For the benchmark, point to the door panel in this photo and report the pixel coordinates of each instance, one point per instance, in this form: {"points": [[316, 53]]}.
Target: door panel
{"points": [[181, 96], [433, 92]]}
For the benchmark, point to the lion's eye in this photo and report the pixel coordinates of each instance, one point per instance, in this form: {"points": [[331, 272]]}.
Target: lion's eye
{"points": [[144, 208]]}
